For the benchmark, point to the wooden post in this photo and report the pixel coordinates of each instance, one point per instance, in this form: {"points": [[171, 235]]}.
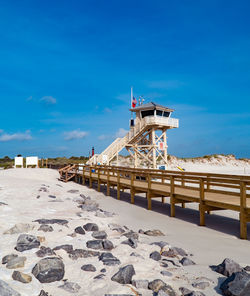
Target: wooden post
{"points": [[202, 203], [165, 146], [163, 199], [108, 184], [154, 151], [90, 177], [243, 220], [149, 193], [118, 184], [42, 164], [172, 199], [46, 162], [98, 181], [132, 191], [83, 175]]}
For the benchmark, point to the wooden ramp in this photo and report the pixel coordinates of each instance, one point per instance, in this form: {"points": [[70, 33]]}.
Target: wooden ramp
{"points": [[212, 192]]}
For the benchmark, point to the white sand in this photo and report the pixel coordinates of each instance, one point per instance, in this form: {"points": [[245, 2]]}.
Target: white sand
{"points": [[209, 245]]}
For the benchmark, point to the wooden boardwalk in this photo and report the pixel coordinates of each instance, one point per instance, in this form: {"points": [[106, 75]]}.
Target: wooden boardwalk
{"points": [[212, 192]]}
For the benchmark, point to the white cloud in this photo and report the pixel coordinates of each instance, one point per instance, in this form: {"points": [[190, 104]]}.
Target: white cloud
{"points": [[15, 137], [76, 134], [121, 133], [48, 100]]}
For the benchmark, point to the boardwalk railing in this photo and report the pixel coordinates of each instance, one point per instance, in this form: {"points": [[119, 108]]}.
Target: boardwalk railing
{"points": [[211, 192]]}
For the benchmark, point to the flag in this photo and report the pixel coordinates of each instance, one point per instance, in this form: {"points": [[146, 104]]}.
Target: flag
{"points": [[134, 102]]}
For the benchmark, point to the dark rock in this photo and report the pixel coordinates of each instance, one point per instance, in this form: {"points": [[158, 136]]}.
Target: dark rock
{"points": [[91, 227], [154, 232], [131, 242], [81, 253], [124, 275], [140, 284], [141, 231], [6, 290], [43, 189], [45, 252], [107, 245], [52, 196], [79, 230], [238, 284], [174, 252], [16, 262], [21, 277], [200, 285], [99, 276], [52, 221], [99, 234], [156, 285], [109, 259], [70, 287], [43, 293], [46, 228], [247, 268], [136, 255], [95, 244], [167, 291], [66, 248], [89, 206], [186, 261], [227, 267], [103, 270], [166, 273], [155, 256], [88, 267], [49, 270], [195, 293], [7, 258], [73, 191], [184, 291], [131, 234]]}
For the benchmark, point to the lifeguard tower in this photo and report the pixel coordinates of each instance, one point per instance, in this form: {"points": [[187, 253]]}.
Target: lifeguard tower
{"points": [[146, 140]]}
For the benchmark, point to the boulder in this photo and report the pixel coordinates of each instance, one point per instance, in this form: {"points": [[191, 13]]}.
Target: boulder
{"points": [[131, 234], [19, 228], [91, 227], [70, 287], [186, 261], [238, 284], [155, 256], [166, 273], [16, 262], [124, 275], [131, 242], [109, 259], [227, 267], [27, 242], [79, 230], [88, 267], [95, 244], [49, 270], [6, 290], [9, 257], [140, 284], [21, 277], [45, 252], [99, 234], [107, 245]]}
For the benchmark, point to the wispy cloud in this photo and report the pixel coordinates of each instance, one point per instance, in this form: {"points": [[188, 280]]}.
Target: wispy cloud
{"points": [[103, 137], [73, 135], [5, 137], [121, 133], [165, 84], [48, 100]]}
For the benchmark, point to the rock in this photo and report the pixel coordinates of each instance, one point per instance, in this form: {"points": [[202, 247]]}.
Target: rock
{"points": [[49, 270], [154, 232], [238, 284], [124, 275], [140, 231], [103, 270], [45, 252], [166, 273], [52, 221], [27, 242], [81, 253], [99, 234], [116, 227], [109, 259], [103, 214], [6, 290], [155, 256], [136, 255], [167, 291], [67, 248], [91, 227], [94, 244], [70, 287], [140, 284], [107, 245], [89, 206], [156, 285], [99, 276], [52, 196], [43, 293], [19, 228], [21, 277], [200, 285], [3, 203], [79, 230], [88, 267], [195, 293], [73, 191], [131, 242], [247, 268], [186, 261], [160, 244], [131, 234], [46, 228], [227, 267], [16, 262], [184, 291], [7, 258]]}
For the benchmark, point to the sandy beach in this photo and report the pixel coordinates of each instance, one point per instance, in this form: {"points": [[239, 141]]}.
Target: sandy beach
{"points": [[30, 194]]}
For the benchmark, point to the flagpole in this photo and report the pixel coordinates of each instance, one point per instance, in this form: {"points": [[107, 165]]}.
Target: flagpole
{"points": [[131, 99]]}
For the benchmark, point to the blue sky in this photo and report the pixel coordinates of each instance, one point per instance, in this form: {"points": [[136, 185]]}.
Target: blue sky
{"points": [[66, 68]]}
